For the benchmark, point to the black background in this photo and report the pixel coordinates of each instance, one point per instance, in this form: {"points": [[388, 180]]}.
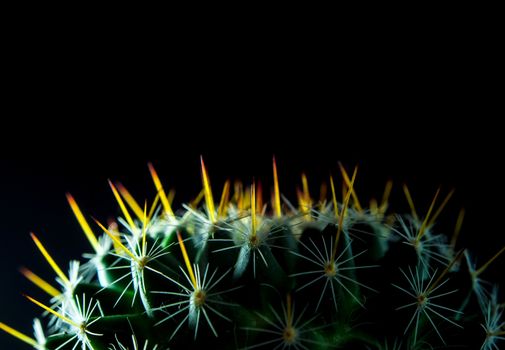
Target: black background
{"points": [[417, 111]]}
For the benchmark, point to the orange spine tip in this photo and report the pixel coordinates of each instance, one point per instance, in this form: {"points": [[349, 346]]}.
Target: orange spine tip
{"points": [[186, 260], [277, 195], [342, 213], [122, 206], [83, 223], [209, 200], [253, 209], [334, 197], [159, 188], [144, 230], [385, 195], [39, 282], [348, 183], [225, 197], [410, 202], [485, 266], [55, 313], [457, 228], [132, 203], [49, 259], [116, 240], [424, 225], [439, 210], [289, 311], [21, 336]]}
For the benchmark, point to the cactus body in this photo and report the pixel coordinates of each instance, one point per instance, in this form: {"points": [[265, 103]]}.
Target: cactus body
{"points": [[240, 274]]}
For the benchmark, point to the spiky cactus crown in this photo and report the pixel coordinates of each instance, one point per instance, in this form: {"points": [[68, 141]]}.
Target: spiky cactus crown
{"points": [[244, 274]]}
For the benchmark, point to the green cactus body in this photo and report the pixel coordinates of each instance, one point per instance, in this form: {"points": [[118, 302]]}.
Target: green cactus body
{"points": [[237, 275]]}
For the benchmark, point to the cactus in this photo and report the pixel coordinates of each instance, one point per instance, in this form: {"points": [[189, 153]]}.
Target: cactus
{"points": [[243, 274]]}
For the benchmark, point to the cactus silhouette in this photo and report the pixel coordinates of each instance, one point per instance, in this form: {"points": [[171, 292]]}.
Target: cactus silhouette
{"points": [[242, 273]]}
